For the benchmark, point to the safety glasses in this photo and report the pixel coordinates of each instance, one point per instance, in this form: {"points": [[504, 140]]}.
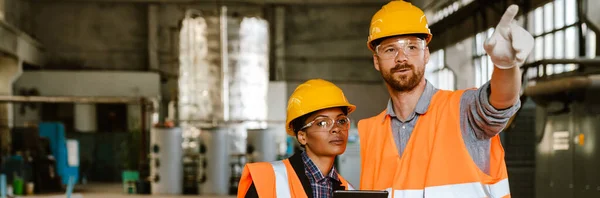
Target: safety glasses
{"points": [[407, 46], [325, 124]]}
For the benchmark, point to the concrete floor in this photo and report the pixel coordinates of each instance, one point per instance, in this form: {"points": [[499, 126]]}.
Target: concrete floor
{"points": [[111, 190]]}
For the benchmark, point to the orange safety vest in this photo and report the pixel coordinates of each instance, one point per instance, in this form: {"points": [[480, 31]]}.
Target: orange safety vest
{"points": [[274, 179], [435, 163]]}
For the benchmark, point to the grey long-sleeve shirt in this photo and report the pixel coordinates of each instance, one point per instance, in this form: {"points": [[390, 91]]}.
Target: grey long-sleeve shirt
{"points": [[479, 121]]}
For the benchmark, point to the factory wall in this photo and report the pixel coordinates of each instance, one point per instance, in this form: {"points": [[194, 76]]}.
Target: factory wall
{"points": [[91, 36], [336, 50]]}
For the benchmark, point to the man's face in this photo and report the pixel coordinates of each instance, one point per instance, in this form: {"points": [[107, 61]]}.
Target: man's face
{"points": [[401, 61]]}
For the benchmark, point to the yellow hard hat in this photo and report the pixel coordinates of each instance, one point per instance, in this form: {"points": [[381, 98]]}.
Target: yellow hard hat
{"points": [[314, 95], [397, 18]]}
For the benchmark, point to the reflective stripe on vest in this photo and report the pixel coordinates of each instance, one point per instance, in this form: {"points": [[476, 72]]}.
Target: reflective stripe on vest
{"points": [[350, 187], [475, 189], [282, 188]]}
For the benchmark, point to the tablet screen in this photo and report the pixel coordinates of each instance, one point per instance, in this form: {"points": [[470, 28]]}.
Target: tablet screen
{"points": [[360, 194]]}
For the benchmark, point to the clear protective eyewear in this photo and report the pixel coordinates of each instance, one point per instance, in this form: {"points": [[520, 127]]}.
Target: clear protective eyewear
{"points": [[325, 124], [409, 47]]}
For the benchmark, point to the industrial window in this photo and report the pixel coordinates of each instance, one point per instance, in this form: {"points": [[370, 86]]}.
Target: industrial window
{"points": [[555, 27], [445, 10], [438, 74], [481, 61]]}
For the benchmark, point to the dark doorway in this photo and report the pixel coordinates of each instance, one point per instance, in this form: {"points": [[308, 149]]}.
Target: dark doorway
{"points": [[59, 112], [111, 117]]}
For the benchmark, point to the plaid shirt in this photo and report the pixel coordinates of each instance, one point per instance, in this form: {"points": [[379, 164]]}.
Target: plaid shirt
{"points": [[321, 186]]}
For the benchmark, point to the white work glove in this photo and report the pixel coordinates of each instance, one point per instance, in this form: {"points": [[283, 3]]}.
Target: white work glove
{"points": [[510, 44]]}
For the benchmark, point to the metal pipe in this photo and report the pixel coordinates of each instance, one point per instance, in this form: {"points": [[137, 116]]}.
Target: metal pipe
{"points": [[70, 99], [558, 86], [224, 63], [143, 147]]}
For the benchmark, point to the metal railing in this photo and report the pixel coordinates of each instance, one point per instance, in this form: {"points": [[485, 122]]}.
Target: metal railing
{"points": [[560, 81]]}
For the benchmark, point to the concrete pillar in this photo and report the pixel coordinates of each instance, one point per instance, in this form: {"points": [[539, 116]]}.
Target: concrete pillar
{"points": [[591, 15], [262, 141], [134, 118], [153, 60], [1, 10], [85, 117], [279, 39], [277, 96], [10, 69], [594, 24], [458, 58]]}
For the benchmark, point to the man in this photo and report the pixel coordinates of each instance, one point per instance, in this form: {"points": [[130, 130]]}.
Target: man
{"points": [[438, 143]]}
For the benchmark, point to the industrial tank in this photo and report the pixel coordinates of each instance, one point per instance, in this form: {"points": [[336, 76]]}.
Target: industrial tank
{"points": [[222, 92], [166, 167]]}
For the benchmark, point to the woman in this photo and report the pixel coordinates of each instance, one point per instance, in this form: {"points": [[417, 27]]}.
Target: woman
{"points": [[317, 116]]}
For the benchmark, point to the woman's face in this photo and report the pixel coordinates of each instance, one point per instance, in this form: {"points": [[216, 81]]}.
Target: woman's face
{"points": [[325, 132]]}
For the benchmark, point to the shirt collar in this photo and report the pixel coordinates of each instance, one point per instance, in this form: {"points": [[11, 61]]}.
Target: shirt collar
{"points": [[314, 171], [422, 104]]}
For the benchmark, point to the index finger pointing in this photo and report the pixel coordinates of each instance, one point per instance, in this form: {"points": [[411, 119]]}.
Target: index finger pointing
{"points": [[508, 16]]}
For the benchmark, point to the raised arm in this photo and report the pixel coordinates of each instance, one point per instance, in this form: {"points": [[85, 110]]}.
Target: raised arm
{"points": [[508, 47]]}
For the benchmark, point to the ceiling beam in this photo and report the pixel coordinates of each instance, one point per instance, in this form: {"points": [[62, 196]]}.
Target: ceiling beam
{"points": [[18, 44]]}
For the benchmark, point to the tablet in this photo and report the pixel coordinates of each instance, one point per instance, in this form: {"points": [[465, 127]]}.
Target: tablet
{"points": [[360, 194]]}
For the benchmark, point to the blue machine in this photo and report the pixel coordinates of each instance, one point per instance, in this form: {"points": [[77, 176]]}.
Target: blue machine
{"points": [[66, 167], [289, 151]]}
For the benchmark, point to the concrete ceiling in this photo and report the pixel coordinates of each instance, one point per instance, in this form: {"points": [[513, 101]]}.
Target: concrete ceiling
{"points": [[423, 4], [316, 2]]}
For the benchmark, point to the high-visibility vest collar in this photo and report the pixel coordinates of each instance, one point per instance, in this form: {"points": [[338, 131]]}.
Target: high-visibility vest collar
{"points": [[276, 179], [281, 179]]}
